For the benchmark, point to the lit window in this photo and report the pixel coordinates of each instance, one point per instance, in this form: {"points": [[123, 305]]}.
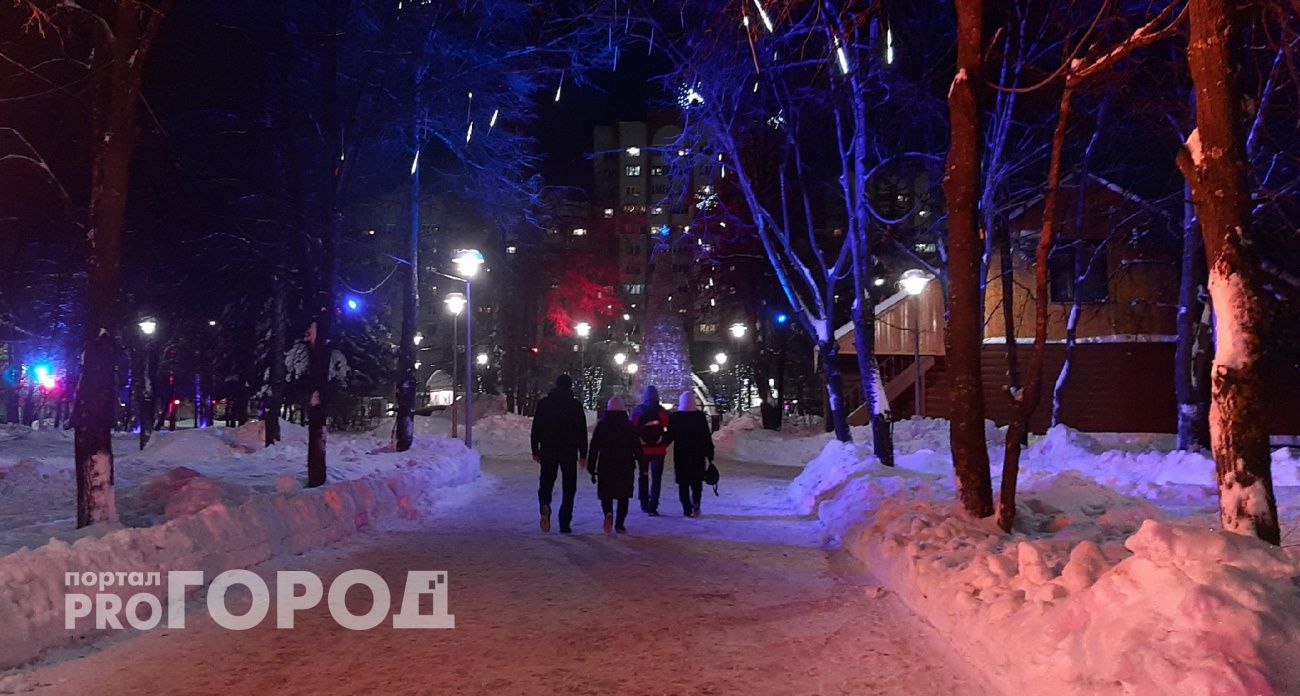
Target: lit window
{"points": [[609, 212], [657, 210], [633, 170], [512, 249], [579, 231], [658, 171], [634, 151]]}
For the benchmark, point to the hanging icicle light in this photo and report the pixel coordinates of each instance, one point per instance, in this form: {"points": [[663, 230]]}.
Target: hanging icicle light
{"points": [[889, 45], [492, 123], [762, 14], [842, 56], [469, 134], [415, 162], [559, 89]]}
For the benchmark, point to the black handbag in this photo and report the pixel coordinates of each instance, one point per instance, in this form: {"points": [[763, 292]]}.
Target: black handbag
{"points": [[711, 477]]}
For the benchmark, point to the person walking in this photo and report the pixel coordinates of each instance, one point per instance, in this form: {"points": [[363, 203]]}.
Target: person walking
{"points": [[692, 439], [651, 423], [559, 442], [613, 460]]}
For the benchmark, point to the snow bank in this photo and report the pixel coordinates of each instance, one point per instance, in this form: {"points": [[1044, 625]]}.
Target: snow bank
{"points": [[504, 435], [1114, 580], [743, 439], [193, 521]]}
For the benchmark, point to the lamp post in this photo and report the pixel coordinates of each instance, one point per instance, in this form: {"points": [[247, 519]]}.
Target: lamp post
{"points": [[619, 360], [467, 263], [737, 331], [455, 305], [583, 330], [913, 283], [147, 328]]}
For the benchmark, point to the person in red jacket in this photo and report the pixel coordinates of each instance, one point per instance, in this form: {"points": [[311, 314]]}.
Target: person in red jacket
{"points": [[651, 423]]}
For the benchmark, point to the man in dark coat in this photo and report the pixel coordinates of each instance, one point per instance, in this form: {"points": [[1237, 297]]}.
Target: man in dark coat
{"points": [[651, 422], [559, 440], [615, 453], [692, 451]]}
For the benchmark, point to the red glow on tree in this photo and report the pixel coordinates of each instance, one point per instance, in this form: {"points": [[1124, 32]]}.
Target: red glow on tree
{"points": [[583, 289]]}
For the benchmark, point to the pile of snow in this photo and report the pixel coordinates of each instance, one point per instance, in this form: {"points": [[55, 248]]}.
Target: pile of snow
{"points": [[195, 500], [743, 439], [1115, 579], [504, 435]]}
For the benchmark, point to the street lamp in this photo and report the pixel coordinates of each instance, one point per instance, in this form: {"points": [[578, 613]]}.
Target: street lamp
{"points": [[419, 338], [715, 368], [455, 305], [482, 359], [467, 262], [620, 358], [913, 282], [738, 331], [583, 330], [145, 391], [720, 358], [632, 368]]}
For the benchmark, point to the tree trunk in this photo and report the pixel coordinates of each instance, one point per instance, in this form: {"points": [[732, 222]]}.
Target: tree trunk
{"points": [[404, 434], [828, 351], [279, 341], [319, 335], [1214, 163], [115, 92], [1024, 403], [1191, 376], [965, 323]]}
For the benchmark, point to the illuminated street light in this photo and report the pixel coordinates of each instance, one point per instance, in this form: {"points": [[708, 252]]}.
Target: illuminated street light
{"points": [[620, 358], [632, 368], [467, 262], [913, 282], [148, 327], [715, 368], [482, 358], [455, 303], [720, 358], [738, 330], [583, 329], [418, 338]]}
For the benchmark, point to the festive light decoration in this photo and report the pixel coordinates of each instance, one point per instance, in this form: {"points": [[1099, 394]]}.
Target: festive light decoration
{"points": [[353, 304], [889, 46], [492, 122], [762, 14], [842, 56]]}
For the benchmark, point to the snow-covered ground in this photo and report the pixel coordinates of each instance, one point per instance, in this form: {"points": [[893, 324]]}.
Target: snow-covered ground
{"points": [[208, 499], [1116, 580]]}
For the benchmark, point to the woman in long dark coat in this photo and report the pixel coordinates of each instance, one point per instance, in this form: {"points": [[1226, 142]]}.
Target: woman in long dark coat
{"points": [[612, 462], [692, 439]]}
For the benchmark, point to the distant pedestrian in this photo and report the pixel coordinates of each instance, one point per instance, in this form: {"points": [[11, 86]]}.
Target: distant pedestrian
{"points": [[651, 422], [692, 439], [614, 455], [559, 442]]}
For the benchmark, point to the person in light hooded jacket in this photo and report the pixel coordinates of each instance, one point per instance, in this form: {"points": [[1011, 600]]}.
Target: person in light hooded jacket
{"points": [[692, 440], [612, 461]]}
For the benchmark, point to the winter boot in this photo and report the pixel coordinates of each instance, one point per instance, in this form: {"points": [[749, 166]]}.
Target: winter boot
{"points": [[609, 522], [545, 521]]}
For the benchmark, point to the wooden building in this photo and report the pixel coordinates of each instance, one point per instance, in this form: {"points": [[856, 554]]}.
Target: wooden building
{"points": [[1115, 268]]}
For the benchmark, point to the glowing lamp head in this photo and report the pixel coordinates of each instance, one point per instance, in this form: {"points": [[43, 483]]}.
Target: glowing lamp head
{"points": [[418, 338], [913, 282], [782, 318], [148, 327], [583, 329], [738, 330], [620, 358], [41, 371], [352, 304], [715, 368], [467, 261], [455, 303], [48, 382], [720, 358], [482, 358], [632, 368]]}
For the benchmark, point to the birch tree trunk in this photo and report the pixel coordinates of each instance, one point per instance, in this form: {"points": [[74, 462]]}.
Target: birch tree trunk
{"points": [[1214, 163], [970, 456]]}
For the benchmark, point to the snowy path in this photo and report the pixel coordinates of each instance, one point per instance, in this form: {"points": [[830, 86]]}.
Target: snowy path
{"points": [[742, 601]]}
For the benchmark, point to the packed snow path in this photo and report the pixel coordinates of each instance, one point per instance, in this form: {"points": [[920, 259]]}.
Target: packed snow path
{"points": [[744, 600]]}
